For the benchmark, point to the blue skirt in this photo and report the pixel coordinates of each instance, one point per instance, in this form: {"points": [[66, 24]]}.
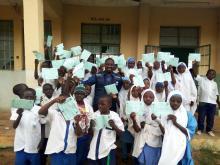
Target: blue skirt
{"points": [[150, 155]]}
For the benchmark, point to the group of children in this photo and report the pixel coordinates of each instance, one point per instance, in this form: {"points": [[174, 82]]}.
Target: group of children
{"points": [[44, 131]]}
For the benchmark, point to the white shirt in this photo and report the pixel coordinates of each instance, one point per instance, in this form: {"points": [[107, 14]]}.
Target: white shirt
{"points": [[43, 119], [28, 132], [58, 131], [161, 96], [107, 140], [208, 90]]}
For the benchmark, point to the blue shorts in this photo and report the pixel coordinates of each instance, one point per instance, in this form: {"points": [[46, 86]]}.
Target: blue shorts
{"points": [[63, 159], [23, 158]]}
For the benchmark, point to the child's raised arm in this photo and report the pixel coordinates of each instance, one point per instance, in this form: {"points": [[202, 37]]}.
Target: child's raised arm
{"points": [[44, 109], [17, 121], [36, 62]]}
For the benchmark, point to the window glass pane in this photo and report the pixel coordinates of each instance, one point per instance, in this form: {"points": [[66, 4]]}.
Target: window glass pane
{"points": [[188, 32], [6, 45], [168, 31], [169, 41], [188, 41], [95, 36]]}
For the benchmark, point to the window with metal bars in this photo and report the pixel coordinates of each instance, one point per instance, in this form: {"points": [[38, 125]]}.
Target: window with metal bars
{"points": [[179, 36], [6, 45], [101, 38]]}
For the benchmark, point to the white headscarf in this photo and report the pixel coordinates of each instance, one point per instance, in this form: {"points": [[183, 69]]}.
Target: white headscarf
{"points": [[174, 142], [130, 94], [187, 87]]}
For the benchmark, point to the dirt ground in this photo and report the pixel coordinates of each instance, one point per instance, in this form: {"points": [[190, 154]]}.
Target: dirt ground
{"points": [[7, 136]]}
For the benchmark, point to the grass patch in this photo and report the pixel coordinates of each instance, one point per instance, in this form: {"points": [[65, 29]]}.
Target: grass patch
{"points": [[206, 156]]}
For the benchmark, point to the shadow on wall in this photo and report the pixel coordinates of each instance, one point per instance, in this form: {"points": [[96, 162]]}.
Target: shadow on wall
{"points": [[7, 80]]}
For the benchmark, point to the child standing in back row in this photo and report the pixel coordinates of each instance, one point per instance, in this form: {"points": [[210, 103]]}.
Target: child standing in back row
{"points": [[208, 97]]}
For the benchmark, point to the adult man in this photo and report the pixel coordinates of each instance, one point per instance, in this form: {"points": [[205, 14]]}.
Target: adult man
{"points": [[102, 79]]}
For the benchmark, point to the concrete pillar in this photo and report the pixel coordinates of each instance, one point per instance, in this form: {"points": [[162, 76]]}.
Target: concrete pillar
{"points": [[218, 43], [33, 34], [143, 28]]}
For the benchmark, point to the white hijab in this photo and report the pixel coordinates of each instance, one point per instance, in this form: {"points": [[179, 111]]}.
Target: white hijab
{"points": [[122, 96], [130, 94], [143, 136], [187, 87], [174, 142]]}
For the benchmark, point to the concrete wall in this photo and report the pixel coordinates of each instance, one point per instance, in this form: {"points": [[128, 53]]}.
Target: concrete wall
{"points": [[206, 19], [126, 16], [139, 26], [8, 80], [10, 13]]}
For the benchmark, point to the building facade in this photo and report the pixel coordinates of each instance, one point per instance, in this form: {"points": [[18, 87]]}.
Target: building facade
{"points": [[120, 26]]}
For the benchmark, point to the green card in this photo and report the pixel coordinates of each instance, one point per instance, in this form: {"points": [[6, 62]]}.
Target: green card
{"points": [[160, 77], [101, 121], [49, 40], [79, 71], [167, 77], [49, 73], [98, 61], [134, 106], [194, 57], [39, 56], [121, 62], [77, 50], [111, 89], [59, 50], [149, 57], [39, 94], [163, 56], [174, 61], [65, 54], [88, 65], [103, 59], [138, 81], [115, 58], [85, 55], [69, 63], [57, 63], [22, 103], [68, 108], [161, 109]]}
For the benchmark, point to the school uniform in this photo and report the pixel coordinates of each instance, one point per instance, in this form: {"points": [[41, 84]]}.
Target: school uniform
{"points": [[174, 141], [102, 146], [126, 138], [154, 80], [208, 92], [161, 97], [187, 87], [27, 137], [191, 129], [61, 145], [84, 140], [148, 142], [47, 126]]}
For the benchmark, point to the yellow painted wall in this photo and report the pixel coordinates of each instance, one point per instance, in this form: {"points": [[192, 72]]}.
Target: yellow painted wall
{"points": [[9, 13], [206, 19], [73, 16], [135, 30]]}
